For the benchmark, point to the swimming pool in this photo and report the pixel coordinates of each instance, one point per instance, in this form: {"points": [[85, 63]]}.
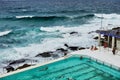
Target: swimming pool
{"points": [[72, 68]]}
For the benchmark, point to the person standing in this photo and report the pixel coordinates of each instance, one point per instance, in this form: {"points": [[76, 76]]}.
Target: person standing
{"points": [[92, 47], [114, 50]]}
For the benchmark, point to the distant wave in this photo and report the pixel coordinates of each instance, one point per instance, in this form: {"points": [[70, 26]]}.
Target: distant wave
{"points": [[38, 17], [24, 17], [53, 17], [85, 16], [75, 11], [30, 17], [62, 17], [5, 33], [27, 10]]}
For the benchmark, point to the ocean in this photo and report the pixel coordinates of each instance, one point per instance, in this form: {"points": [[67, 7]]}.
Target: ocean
{"points": [[29, 27]]}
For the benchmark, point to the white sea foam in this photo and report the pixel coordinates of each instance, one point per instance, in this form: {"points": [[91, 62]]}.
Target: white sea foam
{"points": [[109, 20], [108, 16], [52, 29], [26, 16], [5, 32], [49, 44], [82, 28]]}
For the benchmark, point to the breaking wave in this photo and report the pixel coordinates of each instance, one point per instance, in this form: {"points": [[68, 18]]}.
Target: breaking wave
{"points": [[30, 17], [5, 33]]}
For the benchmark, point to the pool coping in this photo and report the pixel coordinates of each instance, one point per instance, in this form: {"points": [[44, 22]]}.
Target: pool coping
{"points": [[38, 65]]}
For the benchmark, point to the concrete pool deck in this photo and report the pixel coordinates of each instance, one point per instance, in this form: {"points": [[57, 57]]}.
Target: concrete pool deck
{"points": [[103, 55]]}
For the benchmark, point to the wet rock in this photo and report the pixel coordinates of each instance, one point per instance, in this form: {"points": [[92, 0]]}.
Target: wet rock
{"points": [[73, 33], [62, 50], [66, 45], [95, 37], [44, 54], [81, 48], [23, 66], [59, 52], [72, 47], [65, 54], [116, 28], [9, 68], [17, 61]]}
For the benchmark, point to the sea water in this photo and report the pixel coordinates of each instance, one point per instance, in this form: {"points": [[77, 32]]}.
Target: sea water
{"points": [[35, 26]]}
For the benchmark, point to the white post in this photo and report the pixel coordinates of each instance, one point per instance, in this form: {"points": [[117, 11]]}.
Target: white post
{"points": [[108, 41], [113, 42], [99, 38]]}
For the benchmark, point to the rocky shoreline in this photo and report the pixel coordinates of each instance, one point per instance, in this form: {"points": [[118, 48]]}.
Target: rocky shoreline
{"points": [[48, 54]]}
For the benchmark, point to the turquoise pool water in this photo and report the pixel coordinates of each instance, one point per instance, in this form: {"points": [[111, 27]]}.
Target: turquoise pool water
{"points": [[72, 68]]}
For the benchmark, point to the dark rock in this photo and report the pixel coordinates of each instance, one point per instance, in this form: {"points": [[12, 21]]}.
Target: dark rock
{"points": [[73, 33], [44, 54], [9, 68], [23, 66], [116, 28], [62, 50], [17, 61], [95, 37], [65, 54], [56, 54], [72, 47], [66, 45], [81, 48]]}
